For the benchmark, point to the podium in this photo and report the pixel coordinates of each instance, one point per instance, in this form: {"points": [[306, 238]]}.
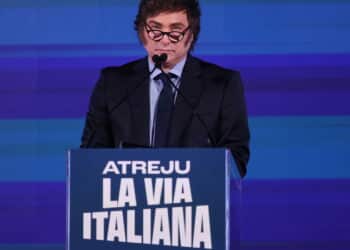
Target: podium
{"points": [[152, 199]]}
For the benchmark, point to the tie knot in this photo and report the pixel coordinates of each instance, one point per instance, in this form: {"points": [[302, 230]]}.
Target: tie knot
{"points": [[165, 77]]}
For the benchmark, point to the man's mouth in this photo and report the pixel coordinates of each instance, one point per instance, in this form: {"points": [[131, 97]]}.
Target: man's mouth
{"points": [[164, 51]]}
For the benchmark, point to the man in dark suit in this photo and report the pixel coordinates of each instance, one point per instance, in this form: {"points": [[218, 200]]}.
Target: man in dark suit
{"points": [[176, 101]]}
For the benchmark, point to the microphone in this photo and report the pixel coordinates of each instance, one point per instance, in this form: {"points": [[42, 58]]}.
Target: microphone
{"points": [[159, 60], [122, 100]]}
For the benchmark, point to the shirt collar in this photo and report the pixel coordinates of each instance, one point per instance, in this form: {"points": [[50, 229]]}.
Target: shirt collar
{"points": [[177, 69]]}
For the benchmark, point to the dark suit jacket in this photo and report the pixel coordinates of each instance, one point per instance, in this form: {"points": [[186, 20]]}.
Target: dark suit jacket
{"points": [[119, 109]]}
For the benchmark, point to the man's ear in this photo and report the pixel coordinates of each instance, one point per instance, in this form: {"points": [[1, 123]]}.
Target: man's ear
{"points": [[189, 41], [141, 35]]}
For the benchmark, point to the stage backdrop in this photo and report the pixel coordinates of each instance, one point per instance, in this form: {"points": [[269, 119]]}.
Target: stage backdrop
{"points": [[294, 57]]}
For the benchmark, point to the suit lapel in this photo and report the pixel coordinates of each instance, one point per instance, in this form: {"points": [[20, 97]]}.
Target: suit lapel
{"points": [[139, 103], [191, 88]]}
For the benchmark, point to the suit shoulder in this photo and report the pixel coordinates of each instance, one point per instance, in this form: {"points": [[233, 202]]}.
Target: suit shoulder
{"points": [[124, 69]]}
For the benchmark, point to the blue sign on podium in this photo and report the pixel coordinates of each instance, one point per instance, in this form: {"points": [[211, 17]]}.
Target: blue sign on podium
{"points": [[149, 199]]}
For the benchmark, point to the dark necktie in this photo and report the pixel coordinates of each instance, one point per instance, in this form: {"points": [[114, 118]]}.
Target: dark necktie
{"points": [[164, 111]]}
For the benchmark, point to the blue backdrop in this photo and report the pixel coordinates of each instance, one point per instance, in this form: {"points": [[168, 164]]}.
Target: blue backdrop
{"points": [[294, 57]]}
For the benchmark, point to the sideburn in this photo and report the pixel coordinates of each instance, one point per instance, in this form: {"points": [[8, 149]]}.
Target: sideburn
{"points": [[188, 40]]}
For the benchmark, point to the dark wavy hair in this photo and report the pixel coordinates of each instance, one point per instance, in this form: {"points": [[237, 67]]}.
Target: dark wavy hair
{"points": [[149, 8]]}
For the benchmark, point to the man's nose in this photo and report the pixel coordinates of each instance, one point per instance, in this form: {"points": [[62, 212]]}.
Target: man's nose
{"points": [[165, 39]]}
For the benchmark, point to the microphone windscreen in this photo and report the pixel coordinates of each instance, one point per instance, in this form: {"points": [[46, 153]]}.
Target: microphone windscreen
{"points": [[163, 57], [159, 60], [156, 59]]}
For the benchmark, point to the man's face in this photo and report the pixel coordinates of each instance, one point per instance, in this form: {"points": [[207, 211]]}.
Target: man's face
{"points": [[168, 22]]}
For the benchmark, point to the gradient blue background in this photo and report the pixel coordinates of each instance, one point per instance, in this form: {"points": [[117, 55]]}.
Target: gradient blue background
{"points": [[294, 57]]}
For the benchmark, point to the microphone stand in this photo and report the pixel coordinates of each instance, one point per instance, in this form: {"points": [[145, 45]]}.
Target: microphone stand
{"points": [[125, 97], [159, 62]]}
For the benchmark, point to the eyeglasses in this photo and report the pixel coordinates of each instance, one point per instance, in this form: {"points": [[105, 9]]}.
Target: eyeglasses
{"points": [[157, 35]]}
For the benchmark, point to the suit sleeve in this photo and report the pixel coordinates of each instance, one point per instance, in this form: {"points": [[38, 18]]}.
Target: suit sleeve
{"points": [[234, 130], [97, 131]]}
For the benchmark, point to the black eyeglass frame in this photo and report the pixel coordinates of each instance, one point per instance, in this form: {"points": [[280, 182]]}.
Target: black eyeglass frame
{"points": [[178, 37]]}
